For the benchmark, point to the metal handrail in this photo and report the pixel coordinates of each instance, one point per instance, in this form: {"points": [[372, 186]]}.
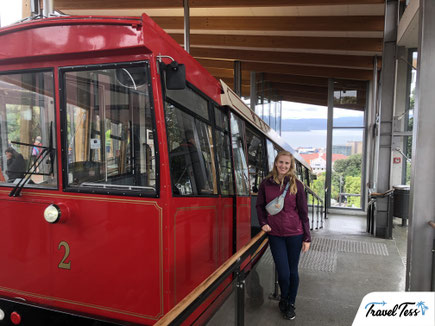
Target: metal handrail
{"points": [[311, 191], [194, 299]]}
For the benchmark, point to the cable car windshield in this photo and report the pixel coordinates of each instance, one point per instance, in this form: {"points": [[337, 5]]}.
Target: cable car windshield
{"points": [[26, 114], [109, 129]]}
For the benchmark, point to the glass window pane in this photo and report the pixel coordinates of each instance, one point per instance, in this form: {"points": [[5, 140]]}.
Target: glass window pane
{"points": [[221, 119], [191, 154], [27, 128], [241, 166], [109, 130], [348, 118], [256, 160], [190, 100], [346, 167], [224, 161], [271, 153]]}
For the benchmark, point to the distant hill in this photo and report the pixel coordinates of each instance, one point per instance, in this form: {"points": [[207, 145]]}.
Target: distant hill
{"points": [[318, 124]]}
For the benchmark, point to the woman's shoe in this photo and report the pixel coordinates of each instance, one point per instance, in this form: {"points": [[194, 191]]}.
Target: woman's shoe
{"points": [[290, 313]]}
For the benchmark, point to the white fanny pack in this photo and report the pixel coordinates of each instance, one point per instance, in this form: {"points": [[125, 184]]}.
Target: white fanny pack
{"points": [[276, 205]]}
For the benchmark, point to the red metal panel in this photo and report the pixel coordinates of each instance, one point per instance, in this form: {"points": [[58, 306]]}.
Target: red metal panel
{"points": [[25, 249], [243, 221]]}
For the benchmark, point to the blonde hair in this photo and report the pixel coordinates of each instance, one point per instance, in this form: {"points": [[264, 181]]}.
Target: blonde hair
{"points": [[291, 172]]}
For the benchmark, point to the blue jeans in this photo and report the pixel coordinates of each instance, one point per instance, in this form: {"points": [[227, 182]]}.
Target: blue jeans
{"points": [[286, 252]]}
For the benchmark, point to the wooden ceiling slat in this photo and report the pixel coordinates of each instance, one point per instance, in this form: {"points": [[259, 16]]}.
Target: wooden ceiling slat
{"points": [[285, 42], [343, 73], [354, 61], [316, 23], [132, 4]]}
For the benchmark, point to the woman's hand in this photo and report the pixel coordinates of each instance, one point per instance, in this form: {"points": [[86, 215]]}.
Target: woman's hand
{"points": [[266, 228], [305, 246]]}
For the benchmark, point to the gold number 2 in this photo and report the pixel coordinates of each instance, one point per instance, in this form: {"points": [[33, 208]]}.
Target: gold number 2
{"points": [[62, 264]]}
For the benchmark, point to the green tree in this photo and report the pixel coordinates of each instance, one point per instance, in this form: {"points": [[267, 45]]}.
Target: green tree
{"points": [[349, 166], [353, 186]]}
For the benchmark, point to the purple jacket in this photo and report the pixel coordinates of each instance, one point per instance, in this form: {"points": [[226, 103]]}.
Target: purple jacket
{"points": [[293, 219]]}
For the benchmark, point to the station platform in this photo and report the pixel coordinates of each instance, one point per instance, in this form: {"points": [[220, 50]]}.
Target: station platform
{"points": [[343, 265]]}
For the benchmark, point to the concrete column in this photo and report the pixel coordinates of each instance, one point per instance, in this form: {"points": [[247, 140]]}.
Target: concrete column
{"points": [[383, 225], [420, 234]]}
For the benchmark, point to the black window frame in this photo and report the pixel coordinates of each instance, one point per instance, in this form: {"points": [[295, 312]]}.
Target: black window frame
{"points": [[56, 166], [63, 130], [209, 122]]}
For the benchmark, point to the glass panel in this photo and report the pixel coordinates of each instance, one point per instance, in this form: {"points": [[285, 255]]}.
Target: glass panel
{"points": [[109, 130], [190, 100], [271, 153], [346, 167], [191, 154], [241, 166], [348, 118], [256, 159], [221, 119], [26, 124], [224, 162]]}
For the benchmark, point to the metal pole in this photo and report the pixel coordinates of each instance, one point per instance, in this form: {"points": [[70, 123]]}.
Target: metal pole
{"points": [[186, 26], [253, 91], [238, 77], [240, 298], [48, 7], [329, 143], [275, 295]]}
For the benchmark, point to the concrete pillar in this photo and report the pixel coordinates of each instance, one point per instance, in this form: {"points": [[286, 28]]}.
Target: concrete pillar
{"points": [[420, 234], [383, 225]]}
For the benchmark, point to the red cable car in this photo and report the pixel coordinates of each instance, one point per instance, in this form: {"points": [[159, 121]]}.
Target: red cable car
{"points": [[128, 173]]}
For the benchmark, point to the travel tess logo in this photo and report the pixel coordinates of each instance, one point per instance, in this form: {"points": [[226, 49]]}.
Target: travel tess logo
{"points": [[404, 309]]}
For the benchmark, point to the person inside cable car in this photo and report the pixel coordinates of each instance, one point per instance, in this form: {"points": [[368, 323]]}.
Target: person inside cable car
{"points": [[16, 165]]}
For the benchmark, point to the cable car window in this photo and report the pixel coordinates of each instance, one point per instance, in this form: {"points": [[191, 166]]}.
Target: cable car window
{"points": [[270, 154], [190, 100], [256, 160], [221, 119], [299, 171], [109, 130], [224, 163], [27, 129], [240, 165], [191, 155]]}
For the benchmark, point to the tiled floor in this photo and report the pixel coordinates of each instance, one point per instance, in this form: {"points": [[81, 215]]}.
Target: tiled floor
{"points": [[344, 264]]}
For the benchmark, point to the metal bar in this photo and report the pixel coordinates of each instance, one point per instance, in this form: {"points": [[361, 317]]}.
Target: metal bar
{"points": [[328, 181], [253, 91], [238, 77], [186, 26], [275, 294]]}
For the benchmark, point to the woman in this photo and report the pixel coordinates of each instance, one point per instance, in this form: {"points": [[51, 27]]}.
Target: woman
{"points": [[289, 230]]}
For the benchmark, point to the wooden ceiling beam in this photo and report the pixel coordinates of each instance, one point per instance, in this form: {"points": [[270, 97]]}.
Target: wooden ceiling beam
{"points": [[135, 4], [350, 61], [285, 42], [276, 23], [341, 73]]}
